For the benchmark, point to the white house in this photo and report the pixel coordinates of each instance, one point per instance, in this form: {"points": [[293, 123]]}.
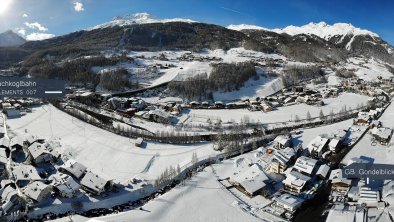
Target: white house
{"points": [[281, 160], [65, 185], [251, 181], [295, 181], [305, 165], [288, 202], [282, 141], [73, 168], [94, 184], [317, 146], [37, 191]]}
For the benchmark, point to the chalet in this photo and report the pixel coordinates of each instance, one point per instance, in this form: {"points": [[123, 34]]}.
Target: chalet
{"points": [[323, 171], [338, 183], [305, 165], [39, 153], [367, 197], [318, 146], [375, 123], [382, 135], [295, 181], [252, 181], [288, 202], [24, 174], [9, 198], [205, 104], [345, 213], [282, 141], [266, 107], [160, 116], [65, 185], [219, 105], [139, 141], [194, 104], [94, 184], [37, 191], [362, 119], [281, 160], [73, 168], [253, 108], [333, 145]]}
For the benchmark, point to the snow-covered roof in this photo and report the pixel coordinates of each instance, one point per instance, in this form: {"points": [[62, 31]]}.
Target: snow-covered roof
{"points": [[283, 156], [281, 139], [357, 160], [296, 179], [35, 189], [74, 168], [323, 170], [336, 176], [65, 184], [382, 132], [37, 149], [160, 113], [252, 179], [8, 192], [289, 201], [317, 144], [25, 172], [305, 164], [341, 213], [93, 182]]}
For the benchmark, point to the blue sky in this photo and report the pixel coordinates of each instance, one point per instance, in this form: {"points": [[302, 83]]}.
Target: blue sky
{"points": [[57, 17]]}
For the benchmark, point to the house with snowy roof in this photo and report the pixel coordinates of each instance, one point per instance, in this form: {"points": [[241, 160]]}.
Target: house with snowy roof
{"points": [[305, 165], [37, 191], [73, 168], [95, 184], [295, 182], [282, 141], [65, 185], [281, 160], [318, 146], [252, 181]]}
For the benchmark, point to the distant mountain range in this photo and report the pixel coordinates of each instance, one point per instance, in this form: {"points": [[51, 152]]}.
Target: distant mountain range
{"points": [[314, 42], [10, 38]]}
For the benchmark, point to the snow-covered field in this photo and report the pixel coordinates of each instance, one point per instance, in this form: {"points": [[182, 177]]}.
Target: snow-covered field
{"points": [[379, 153], [201, 199], [286, 113], [368, 69], [110, 155], [308, 135]]}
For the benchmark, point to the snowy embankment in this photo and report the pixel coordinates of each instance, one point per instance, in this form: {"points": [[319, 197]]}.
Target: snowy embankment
{"points": [[109, 155], [201, 199]]}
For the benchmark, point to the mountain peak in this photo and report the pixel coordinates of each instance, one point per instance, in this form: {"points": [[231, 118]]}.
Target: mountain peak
{"points": [[10, 38], [321, 29], [138, 18], [324, 30]]}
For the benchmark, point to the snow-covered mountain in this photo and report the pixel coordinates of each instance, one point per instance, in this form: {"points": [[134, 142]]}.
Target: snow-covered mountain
{"points": [[138, 18], [9, 38], [321, 29]]}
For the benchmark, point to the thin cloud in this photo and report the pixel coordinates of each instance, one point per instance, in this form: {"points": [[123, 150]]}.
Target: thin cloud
{"points": [[231, 10], [78, 7], [22, 32], [37, 26], [25, 15], [39, 36]]}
